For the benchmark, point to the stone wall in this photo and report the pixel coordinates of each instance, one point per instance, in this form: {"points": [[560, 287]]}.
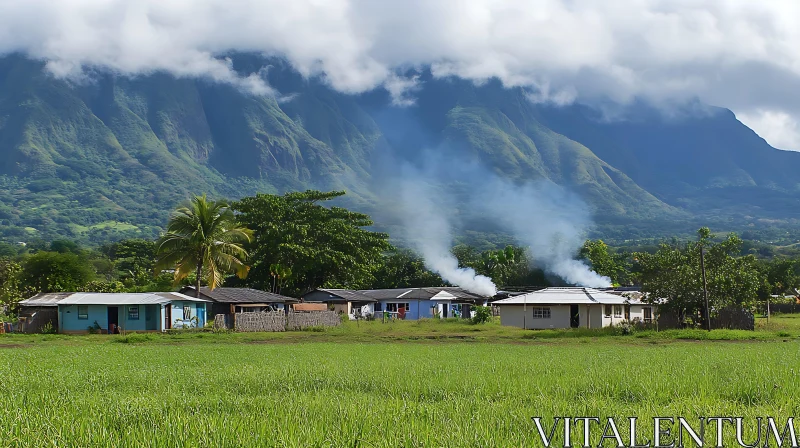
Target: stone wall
{"points": [[276, 321], [299, 321], [270, 321]]}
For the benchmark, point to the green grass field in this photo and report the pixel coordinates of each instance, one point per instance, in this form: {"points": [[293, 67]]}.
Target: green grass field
{"points": [[335, 389]]}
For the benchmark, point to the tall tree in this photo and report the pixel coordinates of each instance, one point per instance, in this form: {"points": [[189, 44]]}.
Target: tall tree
{"points": [[403, 268], [673, 274], [55, 272], [604, 262], [11, 290], [203, 237], [323, 246]]}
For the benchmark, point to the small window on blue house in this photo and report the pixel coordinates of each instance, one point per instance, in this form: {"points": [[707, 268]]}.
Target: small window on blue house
{"points": [[83, 312], [133, 313], [187, 312]]}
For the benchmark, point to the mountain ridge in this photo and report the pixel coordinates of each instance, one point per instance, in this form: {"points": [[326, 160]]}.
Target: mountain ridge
{"points": [[109, 158]]}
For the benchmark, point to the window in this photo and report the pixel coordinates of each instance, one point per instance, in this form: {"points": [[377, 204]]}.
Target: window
{"points": [[541, 312], [607, 310], [133, 313], [393, 307], [83, 312], [648, 314], [187, 312], [617, 310]]}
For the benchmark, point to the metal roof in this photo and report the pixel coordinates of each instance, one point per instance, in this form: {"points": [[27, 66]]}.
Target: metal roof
{"points": [[566, 296], [344, 295], [440, 292], [45, 299], [238, 295], [126, 298]]}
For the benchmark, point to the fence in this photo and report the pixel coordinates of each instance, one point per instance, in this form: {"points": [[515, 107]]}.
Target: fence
{"points": [[728, 318], [276, 321]]}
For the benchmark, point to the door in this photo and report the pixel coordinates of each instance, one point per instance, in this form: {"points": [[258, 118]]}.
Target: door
{"points": [[574, 316], [627, 312], [150, 313], [168, 316], [444, 311], [113, 319]]}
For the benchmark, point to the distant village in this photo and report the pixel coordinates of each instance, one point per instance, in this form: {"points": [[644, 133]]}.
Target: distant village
{"points": [[546, 308]]}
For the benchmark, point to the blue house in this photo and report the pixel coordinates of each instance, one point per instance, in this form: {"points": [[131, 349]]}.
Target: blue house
{"points": [[112, 312], [405, 303]]}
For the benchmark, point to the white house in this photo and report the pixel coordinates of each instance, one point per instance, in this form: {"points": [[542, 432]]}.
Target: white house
{"points": [[571, 308]]}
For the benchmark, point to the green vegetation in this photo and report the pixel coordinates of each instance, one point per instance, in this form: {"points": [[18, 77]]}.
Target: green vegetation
{"points": [[108, 160], [372, 394], [205, 238], [327, 246]]}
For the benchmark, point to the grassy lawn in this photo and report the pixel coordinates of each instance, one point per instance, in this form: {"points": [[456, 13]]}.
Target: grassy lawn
{"points": [[374, 394]]}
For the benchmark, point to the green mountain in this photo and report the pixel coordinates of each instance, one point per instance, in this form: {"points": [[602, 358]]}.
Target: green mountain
{"points": [[110, 156]]}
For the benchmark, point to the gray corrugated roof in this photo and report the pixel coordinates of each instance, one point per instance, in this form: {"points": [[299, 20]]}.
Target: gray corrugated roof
{"points": [[238, 295], [419, 293], [565, 296], [126, 298], [45, 299], [347, 295]]}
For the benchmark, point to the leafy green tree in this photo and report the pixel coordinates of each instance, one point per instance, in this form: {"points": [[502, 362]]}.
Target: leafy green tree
{"points": [[65, 246], [323, 246], [604, 262], [280, 273], [55, 272], [203, 238], [104, 286], [673, 273], [402, 268], [11, 289]]}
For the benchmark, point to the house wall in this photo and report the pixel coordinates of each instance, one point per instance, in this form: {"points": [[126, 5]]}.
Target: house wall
{"points": [[68, 321], [196, 309], [418, 309], [151, 317], [522, 317]]}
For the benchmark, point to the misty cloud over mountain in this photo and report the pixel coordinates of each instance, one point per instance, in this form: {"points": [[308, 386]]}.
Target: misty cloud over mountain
{"points": [[736, 54]]}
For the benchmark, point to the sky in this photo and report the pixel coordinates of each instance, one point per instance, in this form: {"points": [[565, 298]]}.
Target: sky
{"points": [[742, 55]]}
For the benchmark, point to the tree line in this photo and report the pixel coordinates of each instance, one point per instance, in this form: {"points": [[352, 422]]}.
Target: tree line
{"points": [[295, 242]]}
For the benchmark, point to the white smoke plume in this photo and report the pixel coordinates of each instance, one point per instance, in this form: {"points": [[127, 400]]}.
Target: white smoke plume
{"points": [[428, 229], [547, 219]]}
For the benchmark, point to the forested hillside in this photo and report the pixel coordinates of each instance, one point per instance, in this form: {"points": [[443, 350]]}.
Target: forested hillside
{"points": [[110, 156]]}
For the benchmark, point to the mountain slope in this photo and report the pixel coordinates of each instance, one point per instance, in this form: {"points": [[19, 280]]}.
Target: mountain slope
{"points": [[111, 156], [707, 162]]}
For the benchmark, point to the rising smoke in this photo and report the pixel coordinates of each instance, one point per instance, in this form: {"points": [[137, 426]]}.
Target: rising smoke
{"points": [[429, 230], [546, 218], [540, 215]]}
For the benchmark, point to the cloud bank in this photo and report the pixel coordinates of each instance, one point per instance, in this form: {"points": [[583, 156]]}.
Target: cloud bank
{"points": [[734, 53]]}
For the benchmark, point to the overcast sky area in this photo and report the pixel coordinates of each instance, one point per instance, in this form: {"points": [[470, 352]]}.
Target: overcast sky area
{"points": [[743, 55]]}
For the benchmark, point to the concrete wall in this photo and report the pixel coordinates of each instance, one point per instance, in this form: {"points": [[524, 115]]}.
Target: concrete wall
{"points": [[513, 315]]}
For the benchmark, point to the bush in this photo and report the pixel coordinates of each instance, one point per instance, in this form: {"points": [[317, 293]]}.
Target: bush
{"points": [[48, 328], [626, 328], [481, 314], [94, 328]]}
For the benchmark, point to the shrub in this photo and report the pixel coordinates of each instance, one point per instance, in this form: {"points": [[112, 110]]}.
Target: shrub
{"points": [[481, 314], [94, 328], [48, 328]]}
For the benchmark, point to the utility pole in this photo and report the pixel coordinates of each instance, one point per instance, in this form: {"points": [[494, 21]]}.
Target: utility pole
{"points": [[705, 287]]}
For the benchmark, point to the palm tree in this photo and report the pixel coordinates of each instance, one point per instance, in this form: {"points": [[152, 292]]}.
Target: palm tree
{"points": [[203, 237]]}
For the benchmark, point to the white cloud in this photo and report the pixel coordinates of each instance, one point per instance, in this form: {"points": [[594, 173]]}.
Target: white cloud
{"points": [[735, 53], [778, 128]]}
